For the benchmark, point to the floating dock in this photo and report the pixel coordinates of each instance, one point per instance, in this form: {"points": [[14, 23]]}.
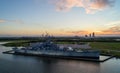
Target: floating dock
{"points": [[103, 59]]}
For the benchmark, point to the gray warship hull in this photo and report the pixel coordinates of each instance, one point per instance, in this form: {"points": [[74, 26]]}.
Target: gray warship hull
{"points": [[60, 54]]}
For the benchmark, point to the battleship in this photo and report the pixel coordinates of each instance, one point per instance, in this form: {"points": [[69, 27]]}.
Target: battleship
{"points": [[50, 49]]}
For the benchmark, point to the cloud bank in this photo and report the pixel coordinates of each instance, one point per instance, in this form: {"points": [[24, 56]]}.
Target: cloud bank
{"points": [[2, 21], [90, 6], [14, 21], [78, 32], [113, 30]]}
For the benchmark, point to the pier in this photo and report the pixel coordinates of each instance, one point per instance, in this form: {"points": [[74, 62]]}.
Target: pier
{"points": [[8, 52]]}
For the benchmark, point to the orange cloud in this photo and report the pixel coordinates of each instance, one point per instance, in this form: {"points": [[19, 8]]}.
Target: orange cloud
{"points": [[112, 30], [90, 6], [80, 32], [100, 4]]}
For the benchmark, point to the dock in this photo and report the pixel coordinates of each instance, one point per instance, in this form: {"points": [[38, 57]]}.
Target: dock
{"points": [[8, 52], [85, 59]]}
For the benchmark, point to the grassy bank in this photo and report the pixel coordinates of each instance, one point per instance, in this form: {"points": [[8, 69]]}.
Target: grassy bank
{"points": [[16, 43], [109, 48]]}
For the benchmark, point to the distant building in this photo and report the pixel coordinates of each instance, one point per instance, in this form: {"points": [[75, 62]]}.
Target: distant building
{"points": [[86, 35], [90, 35], [93, 34]]}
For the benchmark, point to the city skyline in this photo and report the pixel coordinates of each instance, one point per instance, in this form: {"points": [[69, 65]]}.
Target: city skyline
{"points": [[59, 17]]}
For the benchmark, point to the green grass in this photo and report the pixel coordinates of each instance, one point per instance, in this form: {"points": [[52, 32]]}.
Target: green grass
{"points": [[110, 48], [106, 45]]}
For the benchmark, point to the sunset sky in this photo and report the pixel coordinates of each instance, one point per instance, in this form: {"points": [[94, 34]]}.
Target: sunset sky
{"points": [[59, 17]]}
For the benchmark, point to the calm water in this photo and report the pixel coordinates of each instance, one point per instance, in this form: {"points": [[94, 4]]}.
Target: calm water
{"points": [[26, 64]]}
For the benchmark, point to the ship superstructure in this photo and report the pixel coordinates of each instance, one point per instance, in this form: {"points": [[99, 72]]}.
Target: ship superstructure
{"points": [[49, 49]]}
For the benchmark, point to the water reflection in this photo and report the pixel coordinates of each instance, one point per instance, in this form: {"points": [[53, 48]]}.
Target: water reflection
{"points": [[27, 64], [68, 66]]}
